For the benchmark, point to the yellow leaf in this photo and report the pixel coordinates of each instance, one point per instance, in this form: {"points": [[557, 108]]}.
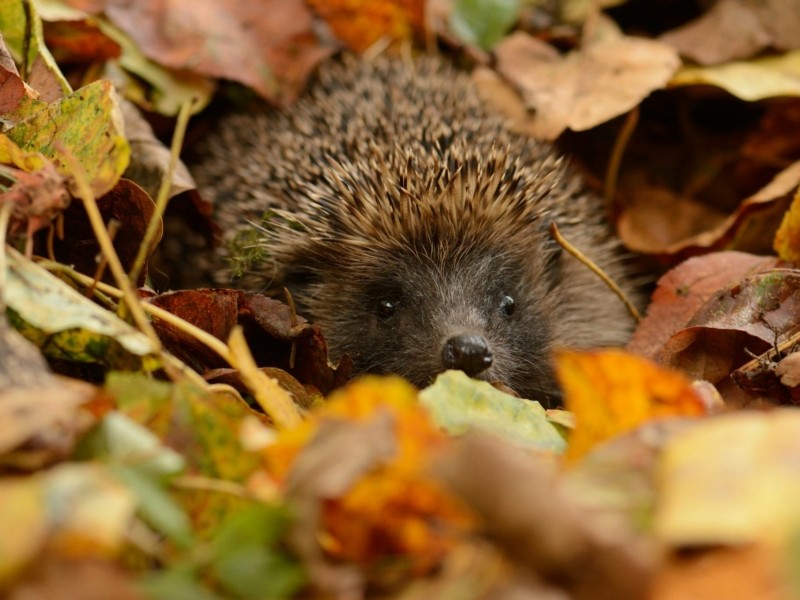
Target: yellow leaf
{"points": [[787, 238], [612, 392]]}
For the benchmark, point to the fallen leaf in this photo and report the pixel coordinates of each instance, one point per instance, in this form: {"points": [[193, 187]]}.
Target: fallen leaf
{"points": [[752, 315], [361, 23], [744, 462], [729, 30], [749, 229], [608, 76], [150, 158], [483, 23], [93, 516], [268, 326], [727, 573], [612, 392], [358, 471], [523, 506], [683, 290], [459, 404], [66, 324], [22, 34], [735, 29], [79, 41], [88, 125], [787, 238], [751, 80], [64, 579], [227, 39], [128, 205]]}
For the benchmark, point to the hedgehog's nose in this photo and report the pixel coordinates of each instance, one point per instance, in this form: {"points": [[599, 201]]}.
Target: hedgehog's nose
{"points": [[468, 353]]}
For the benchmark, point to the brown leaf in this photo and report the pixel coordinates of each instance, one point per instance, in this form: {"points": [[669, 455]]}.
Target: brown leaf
{"points": [[41, 416], [64, 579], [527, 512], [750, 228], [128, 204], [727, 573], [736, 29], [12, 89], [684, 289], [750, 316], [268, 328], [728, 31], [268, 45], [607, 77], [149, 157], [79, 41]]}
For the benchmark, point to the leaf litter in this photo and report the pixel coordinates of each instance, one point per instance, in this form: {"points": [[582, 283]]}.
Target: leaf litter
{"points": [[192, 454]]}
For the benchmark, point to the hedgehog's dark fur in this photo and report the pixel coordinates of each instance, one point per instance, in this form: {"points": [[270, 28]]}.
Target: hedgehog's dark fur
{"points": [[392, 183]]}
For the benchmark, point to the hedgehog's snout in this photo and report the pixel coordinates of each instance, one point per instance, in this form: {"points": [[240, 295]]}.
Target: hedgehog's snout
{"points": [[468, 353]]}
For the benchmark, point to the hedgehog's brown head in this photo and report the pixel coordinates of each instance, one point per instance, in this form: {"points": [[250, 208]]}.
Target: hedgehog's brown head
{"points": [[414, 266]]}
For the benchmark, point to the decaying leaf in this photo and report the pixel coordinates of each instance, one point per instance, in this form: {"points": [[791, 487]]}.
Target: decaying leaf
{"points": [[683, 290], [750, 228], [87, 124], [268, 325], [94, 513], [525, 508], [748, 317], [66, 324]]}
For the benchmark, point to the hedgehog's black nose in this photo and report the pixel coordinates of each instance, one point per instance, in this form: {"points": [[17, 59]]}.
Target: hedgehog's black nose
{"points": [[468, 353]]}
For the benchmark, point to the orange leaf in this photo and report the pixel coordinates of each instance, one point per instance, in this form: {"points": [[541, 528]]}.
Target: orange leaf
{"points": [[612, 392], [389, 506], [787, 238], [360, 23]]}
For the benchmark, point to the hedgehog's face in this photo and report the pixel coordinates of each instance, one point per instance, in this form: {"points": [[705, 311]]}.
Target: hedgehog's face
{"points": [[417, 317]]}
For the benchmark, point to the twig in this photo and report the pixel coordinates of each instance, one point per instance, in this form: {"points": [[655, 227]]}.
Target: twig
{"points": [[293, 323], [5, 219], [617, 152], [163, 191], [200, 335], [129, 296], [596, 270], [273, 399]]}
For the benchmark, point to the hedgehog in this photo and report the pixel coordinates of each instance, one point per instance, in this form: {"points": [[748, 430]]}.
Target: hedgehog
{"points": [[413, 225]]}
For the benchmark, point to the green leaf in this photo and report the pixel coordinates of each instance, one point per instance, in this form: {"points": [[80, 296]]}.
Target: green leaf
{"points": [[67, 325], [22, 34], [129, 443], [458, 404], [483, 22], [88, 125], [177, 583], [245, 561], [155, 504]]}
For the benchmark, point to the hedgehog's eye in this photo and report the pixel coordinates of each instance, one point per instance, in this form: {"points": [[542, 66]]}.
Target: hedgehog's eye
{"points": [[507, 305], [387, 308]]}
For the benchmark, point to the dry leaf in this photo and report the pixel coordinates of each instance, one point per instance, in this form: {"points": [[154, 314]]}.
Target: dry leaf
{"points": [[608, 76], [361, 23], [612, 392], [683, 290]]}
